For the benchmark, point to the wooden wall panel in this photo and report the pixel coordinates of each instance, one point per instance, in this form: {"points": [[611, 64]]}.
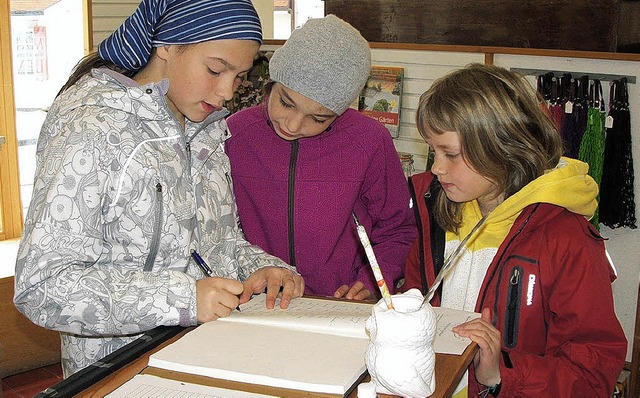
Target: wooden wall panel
{"points": [[629, 33], [589, 25]]}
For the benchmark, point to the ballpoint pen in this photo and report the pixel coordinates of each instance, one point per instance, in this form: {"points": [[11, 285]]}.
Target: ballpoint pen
{"points": [[201, 263], [204, 266]]}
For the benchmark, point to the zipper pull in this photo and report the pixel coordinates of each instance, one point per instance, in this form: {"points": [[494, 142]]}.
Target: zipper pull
{"points": [[515, 277]]}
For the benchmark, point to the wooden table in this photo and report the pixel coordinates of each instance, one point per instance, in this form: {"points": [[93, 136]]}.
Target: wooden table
{"points": [[449, 370]]}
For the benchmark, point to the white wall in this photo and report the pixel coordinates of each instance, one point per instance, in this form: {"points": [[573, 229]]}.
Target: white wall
{"points": [[421, 68]]}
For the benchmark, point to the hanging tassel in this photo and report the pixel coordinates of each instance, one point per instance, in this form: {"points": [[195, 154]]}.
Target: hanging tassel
{"points": [[574, 121], [617, 205], [593, 141], [556, 104]]}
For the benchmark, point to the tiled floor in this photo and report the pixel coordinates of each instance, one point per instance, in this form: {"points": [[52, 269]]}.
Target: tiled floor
{"points": [[29, 384]]}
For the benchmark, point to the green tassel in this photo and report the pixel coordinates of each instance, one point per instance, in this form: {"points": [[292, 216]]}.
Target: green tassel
{"points": [[592, 151]]}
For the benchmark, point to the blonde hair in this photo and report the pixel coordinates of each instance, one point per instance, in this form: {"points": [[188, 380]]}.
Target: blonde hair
{"points": [[505, 133]]}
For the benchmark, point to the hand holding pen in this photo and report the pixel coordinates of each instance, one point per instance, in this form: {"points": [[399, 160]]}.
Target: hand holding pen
{"points": [[216, 297]]}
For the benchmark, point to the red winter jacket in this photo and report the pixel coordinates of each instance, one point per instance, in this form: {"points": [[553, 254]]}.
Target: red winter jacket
{"points": [[549, 289]]}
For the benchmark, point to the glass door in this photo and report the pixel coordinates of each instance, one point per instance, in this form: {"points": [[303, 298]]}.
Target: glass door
{"points": [[47, 38], [10, 211]]}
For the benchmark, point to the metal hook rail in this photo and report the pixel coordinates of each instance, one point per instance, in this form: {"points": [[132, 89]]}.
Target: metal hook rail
{"points": [[592, 76]]}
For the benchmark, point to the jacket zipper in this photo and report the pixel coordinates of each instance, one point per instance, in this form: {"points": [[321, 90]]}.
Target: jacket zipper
{"points": [[290, 201], [155, 239], [188, 148], [500, 266], [512, 317]]}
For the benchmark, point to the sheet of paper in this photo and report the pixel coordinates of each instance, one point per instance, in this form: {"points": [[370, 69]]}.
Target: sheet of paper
{"points": [[149, 386], [447, 342], [345, 318]]}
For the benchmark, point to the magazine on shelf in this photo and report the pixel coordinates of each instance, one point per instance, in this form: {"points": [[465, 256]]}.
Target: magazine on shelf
{"points": [[381, 97]]}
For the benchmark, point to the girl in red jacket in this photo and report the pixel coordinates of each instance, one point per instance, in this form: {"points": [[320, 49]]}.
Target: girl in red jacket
{"points": [[534, 267]]}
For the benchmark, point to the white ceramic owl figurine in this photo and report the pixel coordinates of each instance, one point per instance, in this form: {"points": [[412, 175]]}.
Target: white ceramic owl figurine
{"points": [[400, 357]]}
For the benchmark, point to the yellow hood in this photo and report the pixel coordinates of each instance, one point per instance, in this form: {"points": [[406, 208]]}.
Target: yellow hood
{"points": [[567, 185]]}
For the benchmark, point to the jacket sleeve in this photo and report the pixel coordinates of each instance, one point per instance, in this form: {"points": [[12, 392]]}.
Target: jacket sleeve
{"points": [[59, 283], [585, 346], [386, 197]]}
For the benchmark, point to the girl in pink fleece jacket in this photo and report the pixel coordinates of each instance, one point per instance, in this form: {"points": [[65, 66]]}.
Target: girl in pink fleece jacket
{"points": [[302, 162]]}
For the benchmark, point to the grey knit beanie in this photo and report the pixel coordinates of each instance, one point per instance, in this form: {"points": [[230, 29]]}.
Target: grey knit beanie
{"points": [[326, 60]]}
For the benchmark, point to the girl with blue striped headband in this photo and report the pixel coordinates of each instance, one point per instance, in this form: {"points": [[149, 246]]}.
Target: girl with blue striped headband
{"points": [[157, 24], [162, 22], [153, 239]]}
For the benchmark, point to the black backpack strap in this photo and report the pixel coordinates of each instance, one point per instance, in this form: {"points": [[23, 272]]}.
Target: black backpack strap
{"points": [[436, 231]]}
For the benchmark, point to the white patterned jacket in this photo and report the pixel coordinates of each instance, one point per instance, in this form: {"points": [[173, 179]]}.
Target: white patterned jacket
{"points": [[122, 194]]}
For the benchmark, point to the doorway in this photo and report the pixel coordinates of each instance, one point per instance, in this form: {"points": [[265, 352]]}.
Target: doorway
{"points": [[40, 43], [48, 37]]}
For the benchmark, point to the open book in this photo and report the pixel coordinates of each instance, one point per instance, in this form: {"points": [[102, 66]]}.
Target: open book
{"points": [[315, 345]]}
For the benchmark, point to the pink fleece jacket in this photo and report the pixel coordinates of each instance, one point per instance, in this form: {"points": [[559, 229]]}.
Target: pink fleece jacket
{"points": [[296, 198]]}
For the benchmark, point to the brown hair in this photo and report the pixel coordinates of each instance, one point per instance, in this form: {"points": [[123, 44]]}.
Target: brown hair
{"points": [[93, 60], [89, 62], [505, 134]]}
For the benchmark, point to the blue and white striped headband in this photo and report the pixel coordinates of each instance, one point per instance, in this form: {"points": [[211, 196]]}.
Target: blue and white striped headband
{"points": [[161, 22]]}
